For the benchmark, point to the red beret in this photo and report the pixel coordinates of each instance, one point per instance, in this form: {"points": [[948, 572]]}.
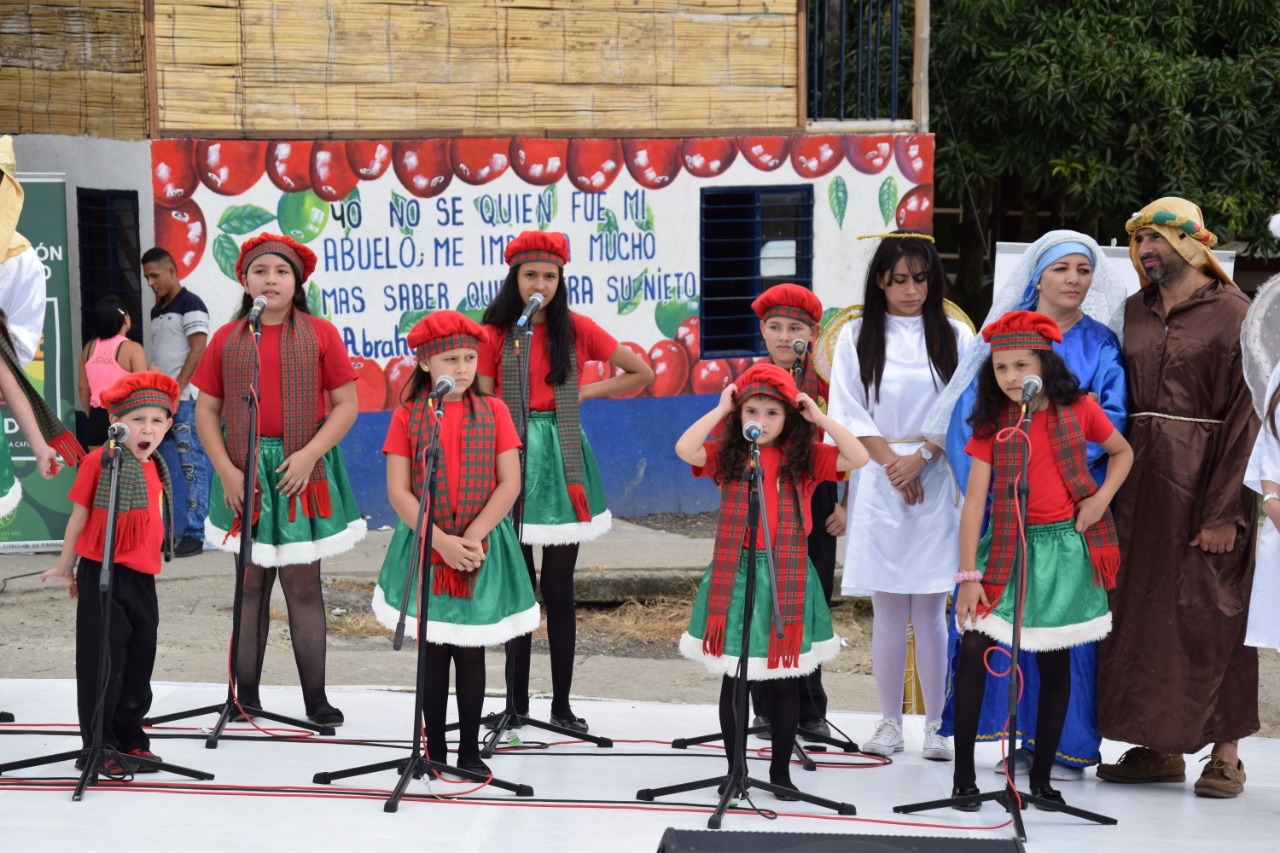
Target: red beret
{"points": [[769, 380], [441, 331], [549, 246], [1022, 330], [789, 300], [302, 259], [135, 390]]}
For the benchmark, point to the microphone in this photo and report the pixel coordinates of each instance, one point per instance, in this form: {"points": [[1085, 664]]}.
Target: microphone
{"points": [[535, 303], [751, 431], [444, 387], [1031, 386], [255, 311], [118, 432], [801, 347]]}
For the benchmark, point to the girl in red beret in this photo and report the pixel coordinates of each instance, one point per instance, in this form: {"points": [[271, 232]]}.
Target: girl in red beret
{"points": [[793, 463], [537, 377], [480, 593], [305, 509], [1072, 552]]}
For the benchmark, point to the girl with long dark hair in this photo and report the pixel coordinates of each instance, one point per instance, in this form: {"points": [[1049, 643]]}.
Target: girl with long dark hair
{"points": [[108, 357]]}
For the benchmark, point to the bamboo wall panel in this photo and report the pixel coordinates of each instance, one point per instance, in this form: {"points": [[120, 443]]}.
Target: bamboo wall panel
{"points": [[73, 67]]}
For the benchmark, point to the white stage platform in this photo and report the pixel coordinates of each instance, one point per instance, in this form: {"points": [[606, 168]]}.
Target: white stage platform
{"points": [[263, 799]]}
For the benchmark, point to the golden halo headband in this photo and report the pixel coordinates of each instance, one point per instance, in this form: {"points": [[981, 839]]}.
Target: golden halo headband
{"points": [[897, 235]]}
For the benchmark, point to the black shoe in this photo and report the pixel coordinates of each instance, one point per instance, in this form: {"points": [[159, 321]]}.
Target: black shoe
{"points": [[811, 730], [1049, 794], [762, 721], [786, 783], [248, 706], [965, 791], [188, 546], [491, 721], [327, 715], [577, 724], [475, 765]]}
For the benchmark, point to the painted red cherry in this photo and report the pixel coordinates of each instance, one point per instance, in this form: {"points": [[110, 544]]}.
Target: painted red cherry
{"points": [[594, 163], [230, 166], [815, 156], [869, 153], [670, 368], [422, 166], [332, 177], [371, 385], [914, 153], [654, 163], [173, 171], [289, 165], [915, 211], [689, 334], [644, 356], [595, 371], [397, 373], [706, 158], [182, 233], [738, 365], [369, 158], [710, 377], [540, 161], [478, 160], [766, 153]]}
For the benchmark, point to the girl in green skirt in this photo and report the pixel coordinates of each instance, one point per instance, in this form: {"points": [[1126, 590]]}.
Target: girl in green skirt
{"points": [[479, 593], [766, 402], [304, 509], [1072, 552]]}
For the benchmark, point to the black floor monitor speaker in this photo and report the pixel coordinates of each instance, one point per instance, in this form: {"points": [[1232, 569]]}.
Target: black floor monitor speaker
{"points": [[708, 841]]}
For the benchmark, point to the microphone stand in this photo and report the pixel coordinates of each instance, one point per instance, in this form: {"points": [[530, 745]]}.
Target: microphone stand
{"points": [[95, 755], [416, 765], [736, 782], [1009, 796], [229, 707]]}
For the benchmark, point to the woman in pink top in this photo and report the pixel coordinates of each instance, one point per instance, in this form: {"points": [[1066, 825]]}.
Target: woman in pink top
{"points": [[105, 359]]}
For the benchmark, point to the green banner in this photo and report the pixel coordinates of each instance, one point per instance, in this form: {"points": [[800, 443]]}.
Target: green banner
{"points": [[38, 522]]}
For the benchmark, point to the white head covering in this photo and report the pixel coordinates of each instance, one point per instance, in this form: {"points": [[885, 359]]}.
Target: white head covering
{"points": [[1104, 302], [1260, 341]]}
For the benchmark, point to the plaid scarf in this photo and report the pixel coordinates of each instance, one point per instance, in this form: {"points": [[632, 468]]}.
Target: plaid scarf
{"points": [[51, 427], [475, 481], [300, 378], [790, 560], [1068, 447], [567, 423], [133, 506]]}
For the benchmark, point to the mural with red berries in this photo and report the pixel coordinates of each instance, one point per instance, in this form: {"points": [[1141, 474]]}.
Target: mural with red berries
{"points": [[404, 227]]}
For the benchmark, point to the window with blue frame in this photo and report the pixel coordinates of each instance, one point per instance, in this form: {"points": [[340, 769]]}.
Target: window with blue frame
{"points": [[752, 238]]}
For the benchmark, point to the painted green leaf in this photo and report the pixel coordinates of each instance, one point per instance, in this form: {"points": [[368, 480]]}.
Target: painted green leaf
{"points": [[548, 207], [409, 319], [670, 313], [888, 199], [637, 293], [610, 223], [315, 302], [226, 253], [826, 316], [243, 218], [838, 198], [401, 204], [647, 223], [474, 313]]}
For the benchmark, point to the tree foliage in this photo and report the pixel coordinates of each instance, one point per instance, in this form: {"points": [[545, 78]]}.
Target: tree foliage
{"points": [[1089, 109]]}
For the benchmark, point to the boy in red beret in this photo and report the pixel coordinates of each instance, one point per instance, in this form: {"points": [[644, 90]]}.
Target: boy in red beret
{"points": [[145, 403]]}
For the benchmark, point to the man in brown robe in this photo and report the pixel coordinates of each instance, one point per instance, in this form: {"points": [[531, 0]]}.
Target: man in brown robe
{"points": [[1175, 674]]}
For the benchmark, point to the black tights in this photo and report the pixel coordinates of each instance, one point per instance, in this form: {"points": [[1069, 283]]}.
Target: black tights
{"points": [[305, 600], [784, 697], [469, 663], [558, 562], [970, 686]]}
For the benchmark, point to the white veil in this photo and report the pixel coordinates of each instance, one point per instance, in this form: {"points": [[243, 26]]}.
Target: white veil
{"points": [[1104, 303], [1260, 341]]}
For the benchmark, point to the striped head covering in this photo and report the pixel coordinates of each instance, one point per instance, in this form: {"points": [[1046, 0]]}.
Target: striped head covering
{"points": [[1022, 330], [768, 380], [549, 246], [147, 388], [302, 259], [1181, 223], [789, 300], [441, 331]]}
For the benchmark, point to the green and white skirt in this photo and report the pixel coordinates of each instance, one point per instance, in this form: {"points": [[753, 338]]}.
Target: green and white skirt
{"points": [[10, 488], [501, 606], [1062, 607], [818, 646], [549, 518], [279, 541]]}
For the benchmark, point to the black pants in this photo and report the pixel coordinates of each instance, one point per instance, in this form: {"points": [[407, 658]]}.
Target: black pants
{"points": [[822, 553], [130, 654]]}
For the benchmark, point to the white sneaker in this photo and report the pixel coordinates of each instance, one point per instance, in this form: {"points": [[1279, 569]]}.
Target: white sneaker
{"points": [[1022, 764], [936, 747], [886, 741]]}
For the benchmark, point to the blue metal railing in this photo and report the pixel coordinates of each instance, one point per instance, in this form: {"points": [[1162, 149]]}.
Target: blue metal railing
{"points": [[855, 69]]}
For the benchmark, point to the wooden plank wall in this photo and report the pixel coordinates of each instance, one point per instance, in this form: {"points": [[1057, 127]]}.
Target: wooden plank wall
{"points": [[72, 67], [340, 67]]}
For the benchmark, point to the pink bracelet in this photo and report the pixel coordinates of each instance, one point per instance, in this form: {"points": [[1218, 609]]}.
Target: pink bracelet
{"points": [[964, 577]]}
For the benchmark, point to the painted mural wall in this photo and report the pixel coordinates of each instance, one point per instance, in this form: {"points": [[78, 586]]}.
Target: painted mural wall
{"points": [[405, 227]]}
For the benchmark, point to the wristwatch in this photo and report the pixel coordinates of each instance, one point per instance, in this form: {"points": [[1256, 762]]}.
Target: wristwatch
{"points": [[927, 455], [1270, 496]]}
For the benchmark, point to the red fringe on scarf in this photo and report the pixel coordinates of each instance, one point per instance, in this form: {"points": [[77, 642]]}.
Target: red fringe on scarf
{"points": [[449, 581], [314, 499], [1106, 565], [131, 530], [68, 448], [713, 636], [786, 652], [578, 496]]}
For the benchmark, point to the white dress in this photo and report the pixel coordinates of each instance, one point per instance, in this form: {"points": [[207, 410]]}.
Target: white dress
{"points": [[889, 546], [1264, 605]]}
